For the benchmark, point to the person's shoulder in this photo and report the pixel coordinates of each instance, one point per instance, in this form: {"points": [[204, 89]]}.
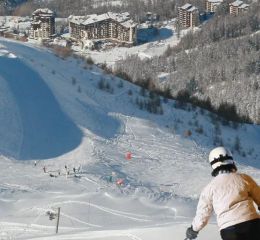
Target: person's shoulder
{"points": [[244, 175], [247, 178]]}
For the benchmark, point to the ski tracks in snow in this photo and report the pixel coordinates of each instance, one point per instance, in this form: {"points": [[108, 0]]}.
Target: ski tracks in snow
{"points": [[102, 235], [133, 237], [132, 216]]}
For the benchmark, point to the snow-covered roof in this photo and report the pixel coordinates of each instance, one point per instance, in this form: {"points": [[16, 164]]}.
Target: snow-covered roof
{"points": [[244, 6], [78, 19], [186, 6], [215, 1], [192, 9], [237, 3], [43, 11], [122, 18]]}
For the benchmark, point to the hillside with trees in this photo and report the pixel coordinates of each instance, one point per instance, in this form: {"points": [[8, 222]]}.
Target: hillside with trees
{"points": [[217, 65], [7, 6], [137, 8]]}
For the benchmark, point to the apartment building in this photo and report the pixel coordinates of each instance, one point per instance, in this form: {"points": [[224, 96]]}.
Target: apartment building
{"points": [[212, 5], [43, 24], [110, 26], [238, 7], [188, 16]]}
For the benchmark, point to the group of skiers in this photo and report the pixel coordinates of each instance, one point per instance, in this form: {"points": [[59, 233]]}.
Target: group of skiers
{"points": [[233, 196], [67, 171]]}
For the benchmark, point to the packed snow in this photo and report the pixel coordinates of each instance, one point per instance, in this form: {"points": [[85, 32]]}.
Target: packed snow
{"points": [[65, 143]]}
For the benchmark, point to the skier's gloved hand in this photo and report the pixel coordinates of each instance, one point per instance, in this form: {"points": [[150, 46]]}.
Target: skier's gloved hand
{"points": [[191, 234]]}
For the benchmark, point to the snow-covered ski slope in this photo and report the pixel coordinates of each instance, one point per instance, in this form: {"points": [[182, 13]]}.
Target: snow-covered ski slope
{"points": [[53, 112]]}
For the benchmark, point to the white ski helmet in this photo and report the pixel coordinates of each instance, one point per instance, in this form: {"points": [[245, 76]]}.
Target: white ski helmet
{"points": [[220, 156]]}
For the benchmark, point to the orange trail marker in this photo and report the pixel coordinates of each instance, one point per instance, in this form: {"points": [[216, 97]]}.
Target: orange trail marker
{"points": [[128, 156], [120, 181]]}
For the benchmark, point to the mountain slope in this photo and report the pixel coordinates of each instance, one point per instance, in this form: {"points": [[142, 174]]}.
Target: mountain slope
{"points": [[96, 127]]}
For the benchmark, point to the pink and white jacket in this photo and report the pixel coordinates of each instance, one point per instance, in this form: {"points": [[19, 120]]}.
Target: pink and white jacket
{"points": [[232, 196]]}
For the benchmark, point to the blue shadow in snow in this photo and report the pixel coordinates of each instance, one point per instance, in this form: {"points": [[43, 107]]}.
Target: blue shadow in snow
{"points": [[145, 35], [47, 131], [99, 122]]}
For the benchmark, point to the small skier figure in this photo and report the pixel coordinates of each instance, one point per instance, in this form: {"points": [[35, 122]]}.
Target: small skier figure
{"points": [[67, 174], [232, 196], [110, 178], [44, 169], [35, 163], [74, 169]]}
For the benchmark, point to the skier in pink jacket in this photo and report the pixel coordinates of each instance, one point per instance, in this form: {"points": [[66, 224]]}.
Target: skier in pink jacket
{"points": [[233, 196]]}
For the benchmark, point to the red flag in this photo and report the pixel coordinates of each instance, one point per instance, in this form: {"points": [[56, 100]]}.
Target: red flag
{"points": [[128, 156]]}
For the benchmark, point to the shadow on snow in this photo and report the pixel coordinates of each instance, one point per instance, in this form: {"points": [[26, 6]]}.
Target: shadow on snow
{"points": [[99, 122], [47, 131], [145, 35]]}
